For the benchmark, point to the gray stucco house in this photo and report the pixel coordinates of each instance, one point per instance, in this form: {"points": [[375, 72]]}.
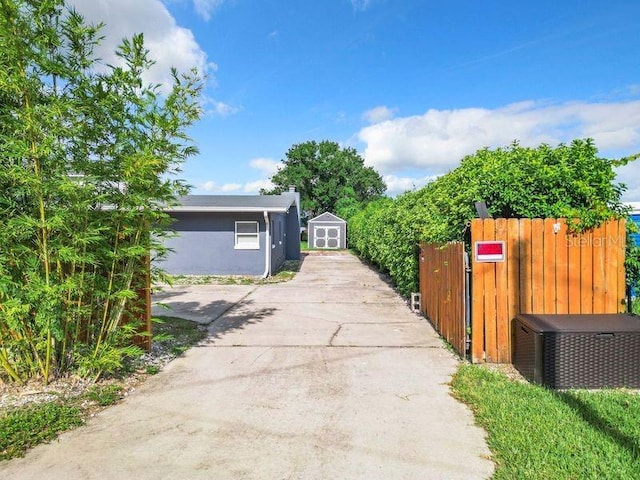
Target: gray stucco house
{"points": [[233, 234], [327, 231]]}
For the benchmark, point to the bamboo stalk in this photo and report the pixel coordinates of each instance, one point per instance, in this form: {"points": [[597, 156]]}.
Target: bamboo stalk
{"points": [[105, 314]]}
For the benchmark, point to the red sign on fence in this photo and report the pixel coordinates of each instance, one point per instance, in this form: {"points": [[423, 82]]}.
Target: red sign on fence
{"points": [[488, 251]]}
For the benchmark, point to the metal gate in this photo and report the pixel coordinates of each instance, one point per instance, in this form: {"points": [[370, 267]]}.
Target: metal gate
{"points": [[326, 237], [444, 291]]}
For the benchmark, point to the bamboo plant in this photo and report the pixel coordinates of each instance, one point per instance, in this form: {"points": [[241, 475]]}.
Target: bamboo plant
{"points": [[87, 161]]}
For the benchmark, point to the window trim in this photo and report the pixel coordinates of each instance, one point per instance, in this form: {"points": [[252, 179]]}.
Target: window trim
{"points": [[249, 246]]}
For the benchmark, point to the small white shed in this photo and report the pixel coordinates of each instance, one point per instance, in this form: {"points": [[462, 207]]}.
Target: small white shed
{"points": [[327, 231]]}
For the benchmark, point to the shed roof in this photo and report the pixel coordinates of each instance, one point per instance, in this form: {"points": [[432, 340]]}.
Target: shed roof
{"points": [[327, 217], [235, 203]]}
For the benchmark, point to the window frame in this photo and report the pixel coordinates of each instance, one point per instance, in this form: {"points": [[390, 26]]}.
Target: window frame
{"points": [[248, 246]]}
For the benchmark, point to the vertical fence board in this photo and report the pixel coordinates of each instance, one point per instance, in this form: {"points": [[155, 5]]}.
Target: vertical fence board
{"points": [[503, 321], [477, 298], [611, 281], [599, 277], [491, 351], [513, 268], [451, 299], [549, 273], [461, 331], [562, 268], [525, 266], [140, 308], [621, 240], [573, 255], [445, 303], [586, 272], [537, 265]]}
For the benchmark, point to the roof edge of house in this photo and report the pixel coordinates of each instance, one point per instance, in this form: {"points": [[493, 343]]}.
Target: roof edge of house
{"points": [[288, 199], [181, 208]]}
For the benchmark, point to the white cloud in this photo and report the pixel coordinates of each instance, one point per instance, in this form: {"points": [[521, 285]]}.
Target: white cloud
{"points": [[254, 187], [205, 8], [398, 185], [213, 187], [378, 114], [218, 108], [267, 166], [169, 44], [230, 187], [630, 175], [439, 139]]}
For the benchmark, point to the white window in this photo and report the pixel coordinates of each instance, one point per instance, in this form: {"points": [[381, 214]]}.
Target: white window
{"points": [[247, 236]]}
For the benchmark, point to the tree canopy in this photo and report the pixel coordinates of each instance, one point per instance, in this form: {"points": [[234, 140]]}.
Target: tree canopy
{"points": [[327, 177], [85, 167]]}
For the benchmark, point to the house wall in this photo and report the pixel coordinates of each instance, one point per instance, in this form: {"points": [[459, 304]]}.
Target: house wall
{"points": [[205, 245], [278, 247], [292, 231], [285, 238]]}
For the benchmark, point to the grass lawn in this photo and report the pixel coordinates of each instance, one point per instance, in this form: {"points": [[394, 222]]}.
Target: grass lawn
{"points": [[538, 433]]}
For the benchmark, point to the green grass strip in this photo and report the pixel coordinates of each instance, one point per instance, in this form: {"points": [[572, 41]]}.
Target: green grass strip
{"points": [[24, 428], [538, 433]]}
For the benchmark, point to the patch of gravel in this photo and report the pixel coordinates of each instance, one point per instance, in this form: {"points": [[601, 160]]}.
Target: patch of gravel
{"points": [[287, 272], [14, 395]]}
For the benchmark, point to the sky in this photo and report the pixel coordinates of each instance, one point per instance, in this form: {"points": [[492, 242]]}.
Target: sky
{"points": [[412, 85]]}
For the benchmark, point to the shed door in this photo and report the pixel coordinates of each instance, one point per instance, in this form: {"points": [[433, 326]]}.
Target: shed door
{"points": [[326, 237]]}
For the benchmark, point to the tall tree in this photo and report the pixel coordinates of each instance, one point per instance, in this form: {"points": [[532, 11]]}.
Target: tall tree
{"points": [[85, 166], [326, 174]]}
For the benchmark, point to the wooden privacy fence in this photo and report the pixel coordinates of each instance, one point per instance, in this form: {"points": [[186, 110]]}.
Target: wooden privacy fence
{"points": [[141, 310], [138, 309], [546, 271], [442, 289]]}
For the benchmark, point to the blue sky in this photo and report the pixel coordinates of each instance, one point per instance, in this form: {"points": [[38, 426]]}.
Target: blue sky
{"points": [[412, 85]]}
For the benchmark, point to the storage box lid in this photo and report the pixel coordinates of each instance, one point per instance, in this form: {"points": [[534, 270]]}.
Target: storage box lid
{"points": [[587, 323]]}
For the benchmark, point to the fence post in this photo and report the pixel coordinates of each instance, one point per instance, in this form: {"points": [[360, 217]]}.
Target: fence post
{"points": [[477, 298]]}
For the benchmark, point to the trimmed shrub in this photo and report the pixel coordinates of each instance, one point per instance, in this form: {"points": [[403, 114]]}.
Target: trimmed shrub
{"points": [[568, 181]]}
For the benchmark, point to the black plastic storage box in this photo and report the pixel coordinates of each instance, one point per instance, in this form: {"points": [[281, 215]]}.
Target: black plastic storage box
{"points": [[578, 351]]}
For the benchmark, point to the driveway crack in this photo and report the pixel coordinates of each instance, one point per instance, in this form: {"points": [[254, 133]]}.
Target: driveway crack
{"points": [[261, 354], [335, 334]]}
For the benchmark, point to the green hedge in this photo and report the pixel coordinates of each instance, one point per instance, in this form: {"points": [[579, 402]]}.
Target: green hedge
{"points": [[568, 181]]}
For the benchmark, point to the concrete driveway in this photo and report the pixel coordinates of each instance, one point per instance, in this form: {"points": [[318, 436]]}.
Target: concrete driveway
{"points": [[328, 376]]}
